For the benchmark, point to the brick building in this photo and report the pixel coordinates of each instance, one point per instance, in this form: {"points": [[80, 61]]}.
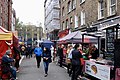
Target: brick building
{"points": [[81, 14], [6, 14]]}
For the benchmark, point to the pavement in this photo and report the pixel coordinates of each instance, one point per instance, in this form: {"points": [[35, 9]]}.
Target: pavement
{"points": [[29, 71]]}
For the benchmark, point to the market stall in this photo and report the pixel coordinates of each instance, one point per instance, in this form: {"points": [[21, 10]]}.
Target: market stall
{"points": [[104, 69], [5, 41]]}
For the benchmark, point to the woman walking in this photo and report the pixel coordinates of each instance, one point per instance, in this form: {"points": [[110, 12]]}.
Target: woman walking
{"points": [[76, 62], [46, 59]]}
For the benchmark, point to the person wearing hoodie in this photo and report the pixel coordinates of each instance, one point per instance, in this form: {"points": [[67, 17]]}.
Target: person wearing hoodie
{"points": [[38, 53]]}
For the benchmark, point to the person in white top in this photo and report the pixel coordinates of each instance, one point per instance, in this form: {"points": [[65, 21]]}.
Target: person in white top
{"points": [[52, 52]]}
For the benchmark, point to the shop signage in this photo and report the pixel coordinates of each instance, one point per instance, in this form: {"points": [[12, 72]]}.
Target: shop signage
{"points": [[92, 29], [110, 43], [97, 70]]}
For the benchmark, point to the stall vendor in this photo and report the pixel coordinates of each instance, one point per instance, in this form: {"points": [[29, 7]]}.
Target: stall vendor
{"points": [[95, 53]]}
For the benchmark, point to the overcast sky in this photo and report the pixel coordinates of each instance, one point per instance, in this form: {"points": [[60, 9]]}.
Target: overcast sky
{"points": [[29, 11]]}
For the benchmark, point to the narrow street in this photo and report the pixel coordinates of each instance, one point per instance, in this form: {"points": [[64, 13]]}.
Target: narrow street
{"points": [[29, 71]]}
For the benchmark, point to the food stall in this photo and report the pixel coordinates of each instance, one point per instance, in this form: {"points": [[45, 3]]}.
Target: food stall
{"points": [[104, 69]]}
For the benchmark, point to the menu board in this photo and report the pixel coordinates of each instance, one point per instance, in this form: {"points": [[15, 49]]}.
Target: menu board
{"points": [[110, 43]]}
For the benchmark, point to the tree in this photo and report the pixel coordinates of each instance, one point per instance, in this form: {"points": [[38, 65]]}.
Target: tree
{"points": [[19, 24]]}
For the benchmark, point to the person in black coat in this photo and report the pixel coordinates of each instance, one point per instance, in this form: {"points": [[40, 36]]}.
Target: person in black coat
{"points": [[46, 59], [60, 54], [76, 63], [95, 53]]}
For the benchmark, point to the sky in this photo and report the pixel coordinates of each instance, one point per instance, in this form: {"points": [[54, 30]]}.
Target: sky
{"points": [[29, 11]]}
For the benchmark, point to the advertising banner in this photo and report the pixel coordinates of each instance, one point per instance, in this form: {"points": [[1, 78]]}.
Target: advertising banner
{"points": [[97, 70]]}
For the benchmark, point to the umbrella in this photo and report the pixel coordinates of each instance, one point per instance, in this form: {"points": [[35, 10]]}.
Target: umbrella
{"points": [[47, 43]]}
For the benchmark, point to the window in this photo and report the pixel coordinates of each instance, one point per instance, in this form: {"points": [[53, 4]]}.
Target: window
{"points": [[71, 19], [63, 26], [111, 7], [82, 17], [1, 10], [81, 1], [0, 21], [67, 24], [69, 6], [63, 13], [76, 21], [73, 5], [100, 10]]}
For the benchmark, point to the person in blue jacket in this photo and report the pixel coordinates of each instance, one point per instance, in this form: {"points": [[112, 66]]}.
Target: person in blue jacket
{"points": [[38, 52], [46, 59]]}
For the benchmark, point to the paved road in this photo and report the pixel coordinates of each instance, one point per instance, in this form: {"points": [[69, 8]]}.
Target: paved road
{"points": [[29, 71]]}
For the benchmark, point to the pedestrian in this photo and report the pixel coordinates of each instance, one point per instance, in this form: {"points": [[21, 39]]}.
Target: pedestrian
{"points": [[29, 49], [17, 58], [52, 52], [46, 59], [38, 53], [68, 59], [23, 49], [76, 63], [7, 64], [60, 53]]}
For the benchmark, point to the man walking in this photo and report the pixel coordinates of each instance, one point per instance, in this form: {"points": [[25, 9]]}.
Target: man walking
{"points": [[38, 52]]}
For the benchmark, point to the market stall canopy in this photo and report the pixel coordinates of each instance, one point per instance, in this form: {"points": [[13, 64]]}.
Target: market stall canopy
{"points": [[5, 38], [76, 37], [69, 36], [4, 34]]}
